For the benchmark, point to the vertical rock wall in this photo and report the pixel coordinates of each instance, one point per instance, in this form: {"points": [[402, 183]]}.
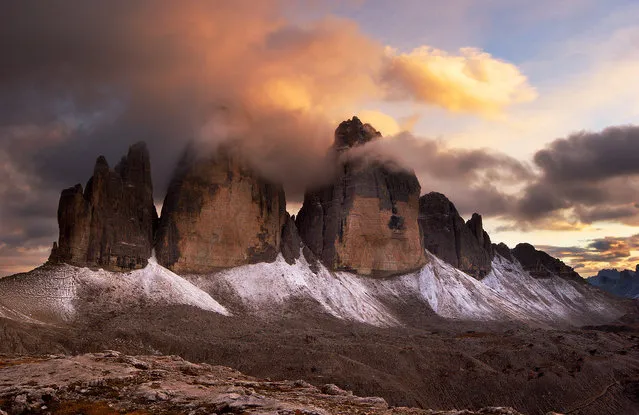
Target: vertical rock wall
{"points": [[465, 246], [111, 224], [219, 214], [365, 221]]}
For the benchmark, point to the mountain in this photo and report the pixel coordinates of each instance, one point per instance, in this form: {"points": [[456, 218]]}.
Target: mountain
{"points": [[622, 283], [370, 287], [361, 249], [111, 223], [218, 213], [541, 265], [365, 221], [464, 245]]}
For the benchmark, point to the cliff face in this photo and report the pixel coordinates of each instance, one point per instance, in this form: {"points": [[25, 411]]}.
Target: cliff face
{"points": [[365, 220], [109, 225], [217, 214], [465, 246]]}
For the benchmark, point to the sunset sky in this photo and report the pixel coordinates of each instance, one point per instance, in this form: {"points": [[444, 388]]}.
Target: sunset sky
{"points": [[524, 112]]}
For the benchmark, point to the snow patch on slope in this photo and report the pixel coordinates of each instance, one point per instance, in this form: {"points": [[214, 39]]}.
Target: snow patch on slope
{"points": [[452, 293], [265, 286], [549, 299], [57, 294], [508, 293], [53, 294], [42, 295]]}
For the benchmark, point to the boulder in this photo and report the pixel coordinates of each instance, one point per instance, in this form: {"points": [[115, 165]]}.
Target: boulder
{"points": [[465, 246], [111, 223], [365, 220], [219, 213]]}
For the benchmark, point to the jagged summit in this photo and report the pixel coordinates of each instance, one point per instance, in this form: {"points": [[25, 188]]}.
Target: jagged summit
{"points": [[365, 221], [464, 245], [220, 213], [352, 133], [542, 265], [111, 224]]}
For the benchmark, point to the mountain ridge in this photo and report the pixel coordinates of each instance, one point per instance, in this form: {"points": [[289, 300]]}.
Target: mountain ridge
{"points": [[623, 283]]}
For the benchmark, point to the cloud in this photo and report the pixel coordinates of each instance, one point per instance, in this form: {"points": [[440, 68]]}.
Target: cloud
{"points": [[473, 179], [588, 176], [472, 81], [382, 122], [587, 156], [599, 253], [99, 76], [82, 78]]}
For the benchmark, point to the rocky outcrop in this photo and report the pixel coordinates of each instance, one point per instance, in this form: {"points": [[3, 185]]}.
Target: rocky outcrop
{"points": [[110, 224], [365, 221], [503, 250], [465, 246], [113, 383], [541, 265], [219, 213]]}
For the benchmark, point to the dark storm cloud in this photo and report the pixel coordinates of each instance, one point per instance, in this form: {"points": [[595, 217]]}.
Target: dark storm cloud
{"points": [[595, 174], [472, 179], [587, 156]]}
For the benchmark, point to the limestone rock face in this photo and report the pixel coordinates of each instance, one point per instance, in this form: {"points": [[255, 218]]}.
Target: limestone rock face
{"points": [[111, 224], [541, 265], [365, 221], [218, 213], [465, 246]]}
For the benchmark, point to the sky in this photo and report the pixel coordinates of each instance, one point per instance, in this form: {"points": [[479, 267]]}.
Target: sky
{"points": [[524, 112]]}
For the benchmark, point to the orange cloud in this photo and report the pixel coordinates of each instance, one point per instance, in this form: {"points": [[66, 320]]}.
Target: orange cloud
{"points": [[472, 81]]}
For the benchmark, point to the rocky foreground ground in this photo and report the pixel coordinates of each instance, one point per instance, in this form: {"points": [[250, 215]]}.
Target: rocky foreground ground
{"points": [[114, 383]]}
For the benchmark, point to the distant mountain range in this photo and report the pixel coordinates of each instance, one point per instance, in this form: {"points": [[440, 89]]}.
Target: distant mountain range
{"points": [[622, 283]]}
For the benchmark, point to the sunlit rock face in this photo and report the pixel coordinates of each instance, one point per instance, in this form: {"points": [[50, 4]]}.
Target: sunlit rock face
{"points": [[110, 225], [365, 221], [465, 246], [218, 213]]}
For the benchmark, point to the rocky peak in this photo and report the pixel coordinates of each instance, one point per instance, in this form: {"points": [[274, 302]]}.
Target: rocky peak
{"points": [[352, 133], [101, 166], [464, 245], [541, 265], [111, 224], [219, 213], [136, 166], [476, 226], [365, 221], [503, 250]]}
